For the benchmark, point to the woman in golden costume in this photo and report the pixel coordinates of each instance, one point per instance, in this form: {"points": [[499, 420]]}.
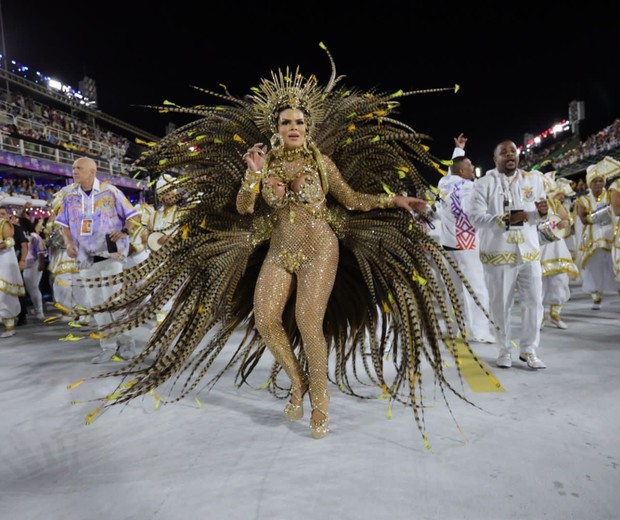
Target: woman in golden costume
{"points": [[301, 244]]}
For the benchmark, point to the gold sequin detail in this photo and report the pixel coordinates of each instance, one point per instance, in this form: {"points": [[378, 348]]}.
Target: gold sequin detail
{"points": [[291, 260]]}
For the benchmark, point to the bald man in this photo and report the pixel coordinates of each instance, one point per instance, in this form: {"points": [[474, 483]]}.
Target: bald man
{"points": [[96, 219]]}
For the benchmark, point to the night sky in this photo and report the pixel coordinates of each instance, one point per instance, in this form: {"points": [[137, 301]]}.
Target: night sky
{"points": [[518, 70]]}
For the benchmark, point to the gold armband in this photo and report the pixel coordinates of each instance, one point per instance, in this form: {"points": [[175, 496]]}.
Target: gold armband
{"points": [[251, 181], [386, 200]]}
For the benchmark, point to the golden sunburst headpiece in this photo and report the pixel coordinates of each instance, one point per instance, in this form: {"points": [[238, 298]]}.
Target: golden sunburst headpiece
{"points": [[287, 90], [291, 90]]}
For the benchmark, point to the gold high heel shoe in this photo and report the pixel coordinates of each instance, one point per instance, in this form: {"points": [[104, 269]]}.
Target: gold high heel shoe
{"points": [[292, 411], [319, 428]]}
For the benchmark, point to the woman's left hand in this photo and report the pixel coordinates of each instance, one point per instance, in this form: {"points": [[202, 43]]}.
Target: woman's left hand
{"points": [[411, 204]]}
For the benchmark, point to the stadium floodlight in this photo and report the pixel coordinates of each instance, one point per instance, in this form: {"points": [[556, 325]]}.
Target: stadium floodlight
{"points": [[54, 83]]}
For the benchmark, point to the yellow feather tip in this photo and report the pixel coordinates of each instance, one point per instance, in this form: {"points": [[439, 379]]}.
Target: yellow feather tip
{"points": [[73, 385], [91, 416]]}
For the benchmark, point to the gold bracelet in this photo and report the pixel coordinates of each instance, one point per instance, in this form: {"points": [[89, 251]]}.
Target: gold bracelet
{"points": [[9, 242], [251, 181], [386, 200]]}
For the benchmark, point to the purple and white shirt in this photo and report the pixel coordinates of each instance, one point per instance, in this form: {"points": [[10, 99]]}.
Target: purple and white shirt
{"points": [[90, 217]]}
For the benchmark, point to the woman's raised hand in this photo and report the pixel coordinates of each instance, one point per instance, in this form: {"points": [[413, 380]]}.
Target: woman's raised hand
{"points": [[255, 157]]}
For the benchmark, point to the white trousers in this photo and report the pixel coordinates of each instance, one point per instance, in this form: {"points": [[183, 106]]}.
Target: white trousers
{"points": [[469, 262], [32, 278], [68, 292], [556, 289], [526, 280], [598, 273], [97, 294]]}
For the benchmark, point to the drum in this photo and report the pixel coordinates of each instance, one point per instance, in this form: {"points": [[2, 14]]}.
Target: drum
{"points": [[153, 240], [560, 233], [601, 216], [548, 230]]}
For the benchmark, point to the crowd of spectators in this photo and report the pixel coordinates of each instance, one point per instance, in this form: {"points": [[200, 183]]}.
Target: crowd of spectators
{"points": [[28, 188], [24, 118], [569, 152]]}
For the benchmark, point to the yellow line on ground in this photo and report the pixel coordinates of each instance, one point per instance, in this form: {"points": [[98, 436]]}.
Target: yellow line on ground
{"points": [[476, 372]]}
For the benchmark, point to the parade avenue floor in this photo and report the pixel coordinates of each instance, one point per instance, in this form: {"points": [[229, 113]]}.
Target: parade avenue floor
{"points": [[543, 445]]}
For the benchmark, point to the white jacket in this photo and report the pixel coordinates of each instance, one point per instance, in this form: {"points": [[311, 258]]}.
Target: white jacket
{"points": [[485, 207]]}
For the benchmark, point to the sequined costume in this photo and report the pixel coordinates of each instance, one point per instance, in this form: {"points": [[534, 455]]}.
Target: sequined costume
{"points": [[320, 267]]}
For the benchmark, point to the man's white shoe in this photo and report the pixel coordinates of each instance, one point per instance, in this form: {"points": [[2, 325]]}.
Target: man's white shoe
{"points": [[531, 360], [596, 306], [8, 333], [504, 360], [558, 323]]}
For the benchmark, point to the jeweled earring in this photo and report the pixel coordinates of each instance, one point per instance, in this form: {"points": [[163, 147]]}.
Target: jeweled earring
{"points": [[307, 143], [276, 141]]}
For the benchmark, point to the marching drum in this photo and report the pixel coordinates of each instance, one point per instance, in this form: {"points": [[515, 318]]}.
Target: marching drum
{"points": [[601, 216], [548, 230], [153, 240]]}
